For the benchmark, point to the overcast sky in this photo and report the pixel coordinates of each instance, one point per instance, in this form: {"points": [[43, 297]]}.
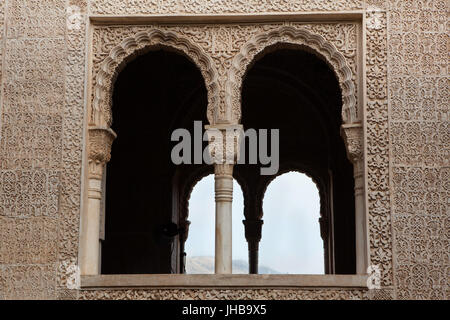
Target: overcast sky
{"points": [[290, 241]]}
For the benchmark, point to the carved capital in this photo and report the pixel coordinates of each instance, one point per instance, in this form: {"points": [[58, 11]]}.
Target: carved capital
{"points": [[100, 141], [354, 142], [224, 142]]}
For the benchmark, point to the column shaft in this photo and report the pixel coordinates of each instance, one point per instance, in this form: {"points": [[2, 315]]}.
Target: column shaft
{"points": [[224, 198], [360, 219], [253, 249]]}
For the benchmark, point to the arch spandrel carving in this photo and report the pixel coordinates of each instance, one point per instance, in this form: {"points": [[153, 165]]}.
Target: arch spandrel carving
{"points": [[131, 47], [289, 35]]}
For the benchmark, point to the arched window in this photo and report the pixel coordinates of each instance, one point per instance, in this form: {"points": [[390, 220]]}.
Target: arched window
{"points": [[145, 203], [289, 88], [199, 246], [155, 94], [291, 241]]}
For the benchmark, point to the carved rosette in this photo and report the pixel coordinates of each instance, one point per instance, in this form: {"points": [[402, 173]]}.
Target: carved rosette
{"points": [[100, 142]]}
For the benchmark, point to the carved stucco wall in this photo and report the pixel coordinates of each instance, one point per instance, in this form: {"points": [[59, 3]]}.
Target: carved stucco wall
{"points": [[40, 147], [419, 147], [41, 142]]}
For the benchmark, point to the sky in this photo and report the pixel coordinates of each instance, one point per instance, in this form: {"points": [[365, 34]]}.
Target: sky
{"points": [[290, 242]]}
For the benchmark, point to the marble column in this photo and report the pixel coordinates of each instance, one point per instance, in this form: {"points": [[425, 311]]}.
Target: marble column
{"points": [[223, 185], [100, 141], [360, 218], [224, 142]]}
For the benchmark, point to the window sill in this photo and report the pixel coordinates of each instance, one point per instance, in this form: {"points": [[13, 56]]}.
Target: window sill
{"points": [[178, 281]]}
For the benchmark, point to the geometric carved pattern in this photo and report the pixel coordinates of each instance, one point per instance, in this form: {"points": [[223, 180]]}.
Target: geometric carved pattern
{"points": [[221, 294], [33, 47], [72, 142], [419, 99], [380, 235], [25, 194]]}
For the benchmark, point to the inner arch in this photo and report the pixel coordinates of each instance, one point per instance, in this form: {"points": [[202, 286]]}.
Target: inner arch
{"points": [[291, 241]]}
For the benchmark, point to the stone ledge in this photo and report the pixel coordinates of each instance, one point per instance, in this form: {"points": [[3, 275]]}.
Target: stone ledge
{"points": [[236, 281]]}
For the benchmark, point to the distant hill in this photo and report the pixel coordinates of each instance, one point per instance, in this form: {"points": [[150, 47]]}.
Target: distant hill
{"points": [[205, 265]]}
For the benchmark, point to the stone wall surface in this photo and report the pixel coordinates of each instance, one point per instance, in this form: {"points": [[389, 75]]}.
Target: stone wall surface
{"points": [[419, 147], [43, 58]]}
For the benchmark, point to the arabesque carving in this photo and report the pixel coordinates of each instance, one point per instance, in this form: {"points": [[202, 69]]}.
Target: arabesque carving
{"points": [[278, 38], [219, 6], [130, 47]]}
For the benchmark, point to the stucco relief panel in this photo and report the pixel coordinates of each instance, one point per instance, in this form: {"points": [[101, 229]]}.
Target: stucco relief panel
{"points": [[218, 6], [221, 43], [419, 94]]}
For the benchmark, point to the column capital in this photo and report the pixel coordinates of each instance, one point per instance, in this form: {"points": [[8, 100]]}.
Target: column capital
{"points": [[354, 141], [253, 230], [224, 142], [100, 141]]}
